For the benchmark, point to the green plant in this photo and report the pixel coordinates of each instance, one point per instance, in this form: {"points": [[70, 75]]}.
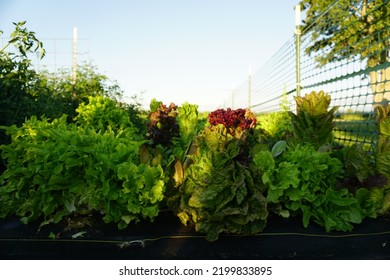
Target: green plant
{"points": [[55, 170], [24, 41], [102, 113], [154, 105], [383, 153], [162, 124], [275, 125], [218, 193], [357, 162], [302, 181], [25, 93], [16, 76], [374, 201], [236, 121], [187, 119], [313, 123], [188, 122], [383, 157], [89, 83], [351, 30]]}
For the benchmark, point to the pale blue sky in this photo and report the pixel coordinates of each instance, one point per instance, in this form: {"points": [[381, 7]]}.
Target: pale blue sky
{"points": [[173, 50]]}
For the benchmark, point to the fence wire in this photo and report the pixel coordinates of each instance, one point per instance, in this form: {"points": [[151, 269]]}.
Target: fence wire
{"points": [[263, 91], [59, 53], [344, 52]]}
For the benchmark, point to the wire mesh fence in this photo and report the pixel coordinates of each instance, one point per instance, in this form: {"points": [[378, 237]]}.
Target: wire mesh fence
{"points": [[59, 53], [263, 90], [343, 51]]}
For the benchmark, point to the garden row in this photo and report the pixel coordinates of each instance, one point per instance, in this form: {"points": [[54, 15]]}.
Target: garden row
{"points": [[223, 174], [92, 157]]}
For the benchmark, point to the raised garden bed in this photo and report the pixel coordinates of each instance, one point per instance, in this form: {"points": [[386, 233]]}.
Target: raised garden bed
{"points": [[82, 190]]}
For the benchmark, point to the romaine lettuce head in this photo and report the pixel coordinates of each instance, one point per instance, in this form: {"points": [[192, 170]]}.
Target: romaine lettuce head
{"points": [[218, 193]]}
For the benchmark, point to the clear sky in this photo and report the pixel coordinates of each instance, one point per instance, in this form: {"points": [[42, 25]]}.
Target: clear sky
{"points": [[172, 50]]}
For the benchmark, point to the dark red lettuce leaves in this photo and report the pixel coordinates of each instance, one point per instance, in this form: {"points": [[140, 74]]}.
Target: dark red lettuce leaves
{"points": [[241, 119], [162, 125]]}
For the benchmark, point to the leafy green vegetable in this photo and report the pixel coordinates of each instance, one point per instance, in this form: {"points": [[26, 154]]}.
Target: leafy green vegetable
{"points": [[188, 121], [155, 105], [302, 181], [275, 124], [357, 162], [236, 121], [162, 126], [383, 154], [56, 170], [218, 194], [370, 200], [101, 113], [279, 148], [313, 123]]}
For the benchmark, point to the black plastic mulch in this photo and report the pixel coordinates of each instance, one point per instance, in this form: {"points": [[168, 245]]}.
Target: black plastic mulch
{"points": [[167, 238]]}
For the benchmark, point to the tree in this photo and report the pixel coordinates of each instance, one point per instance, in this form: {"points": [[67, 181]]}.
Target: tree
{"points": [[347, 29], [16, 74], [15, 77], [89, 83]]}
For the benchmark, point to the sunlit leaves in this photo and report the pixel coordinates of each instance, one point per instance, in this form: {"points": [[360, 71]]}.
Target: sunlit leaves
{"points": [[313, 122], [238, 119], [218, 194], [348, 29], [57, 169]]}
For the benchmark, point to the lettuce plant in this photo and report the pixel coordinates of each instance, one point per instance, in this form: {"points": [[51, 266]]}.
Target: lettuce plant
{"points": [[275, 125], [303, 181], [313, 123], [234, 120], [162, 125], [383, 153], [218, 194], [102, 113], [57, 170]]}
